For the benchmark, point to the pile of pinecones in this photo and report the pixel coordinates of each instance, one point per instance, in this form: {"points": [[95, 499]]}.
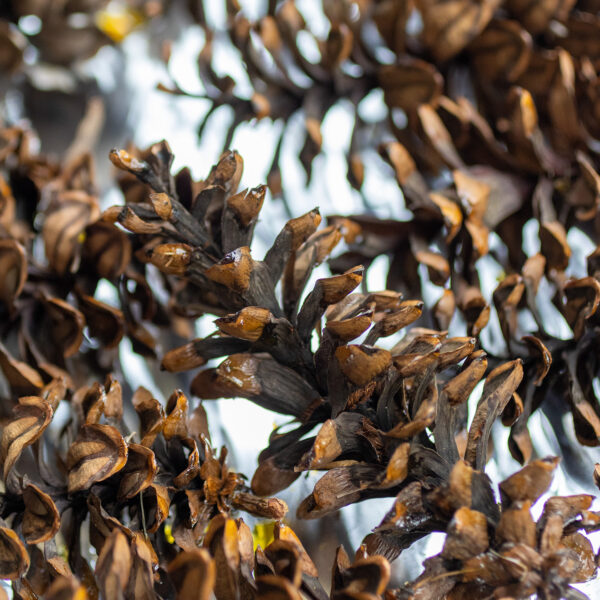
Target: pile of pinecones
{"points": [[500, 120]]}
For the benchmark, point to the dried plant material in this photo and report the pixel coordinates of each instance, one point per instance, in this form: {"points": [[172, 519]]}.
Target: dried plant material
{"points": [[248, 324], [444, 309], [171, 258], [233, 271], [506, 300], [14, 560], [141, 578], [350, 328], [193, 573], [467, 535], [409, 83], [120, 478], [390, 322], [537, 16], [183, 358], [41, 519], [175, 423], [362, 364], [22, 378], [542, 354], [386, 419], [55, 252], [499, 386], [530, 482], [517, 526], [448, 29], [65, 325], [107, 248], [113, 399], [460, 387], [105, 323], [96, 454], [113, 567], [490, 130], [474, 307], [502, 51], [554, 245], [267, 508], [258, 379], [150, 413], [13, 266], [138, 473], [582, 299], [66, 218], [65, 587], [32, 416], [64, 39]]}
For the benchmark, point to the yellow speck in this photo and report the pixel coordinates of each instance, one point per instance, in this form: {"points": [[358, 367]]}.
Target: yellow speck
{"points": [[501, 276], [81, 237], [63, 552], [168, 534], [262, 534], [117, 22]]}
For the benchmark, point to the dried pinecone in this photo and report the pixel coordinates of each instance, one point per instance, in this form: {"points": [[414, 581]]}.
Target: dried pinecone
{"points": [[205, 241], [55, 476], [392, 422], [131, 496], [493, 108], [55, 256], [374, 405], [449, 235], [509, 85], [493, 551]]}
